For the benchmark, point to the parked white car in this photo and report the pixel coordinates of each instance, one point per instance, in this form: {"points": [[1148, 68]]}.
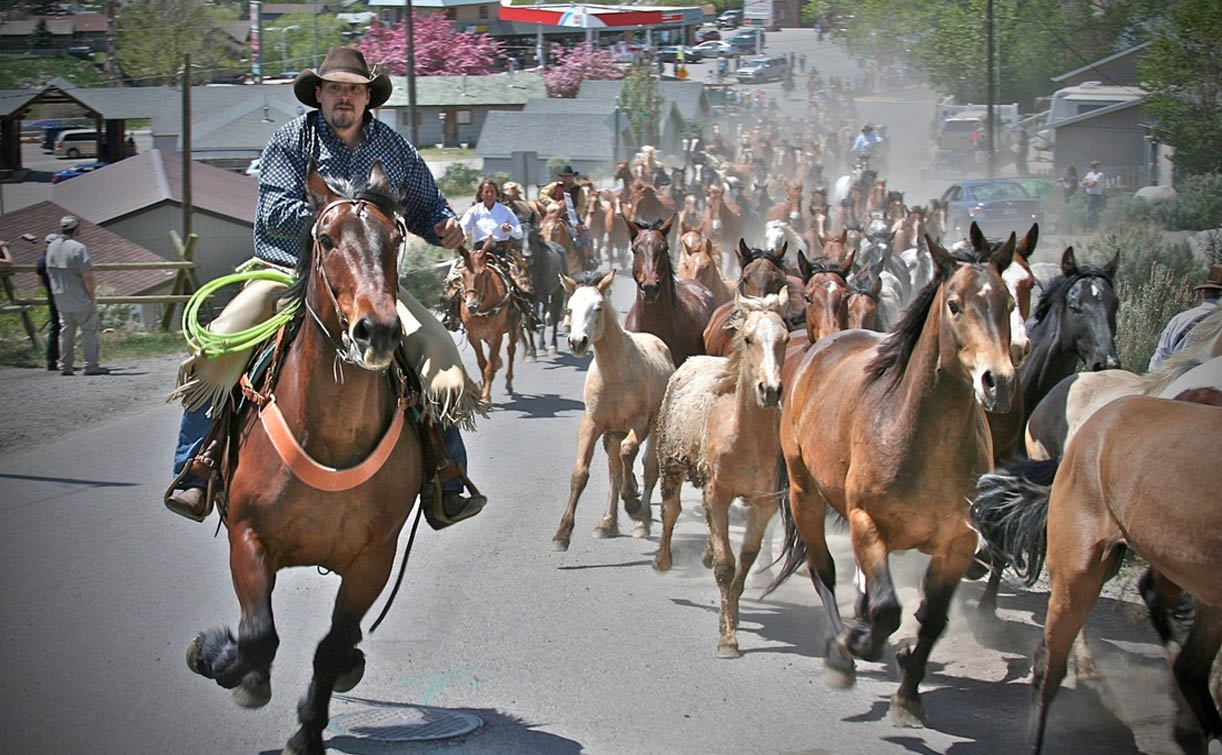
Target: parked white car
{"points": [[253, 168]]}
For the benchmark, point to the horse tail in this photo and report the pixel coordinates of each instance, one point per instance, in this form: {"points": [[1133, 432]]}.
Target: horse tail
{"points": [[1011, 513], [793, 553]]}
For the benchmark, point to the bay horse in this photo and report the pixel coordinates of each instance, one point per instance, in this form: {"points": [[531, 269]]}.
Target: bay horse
{"points": [[623, 392], [489, 315], [356, 468], [556, 229], [827, 295], [546, 264], [889, 431], [764, 273], [647, 205], [1104, 499], [698, 260], [674, 310], [717, 428]]}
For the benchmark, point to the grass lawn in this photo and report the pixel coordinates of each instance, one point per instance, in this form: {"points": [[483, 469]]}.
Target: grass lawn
{"points": [[30, 71], [116, 344]]}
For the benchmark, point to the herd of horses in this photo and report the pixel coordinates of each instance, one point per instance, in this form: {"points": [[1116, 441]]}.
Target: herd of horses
{"points": [[852, 364]]}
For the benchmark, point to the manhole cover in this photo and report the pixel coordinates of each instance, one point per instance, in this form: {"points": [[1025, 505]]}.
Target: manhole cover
{"points": [[408, 723]]}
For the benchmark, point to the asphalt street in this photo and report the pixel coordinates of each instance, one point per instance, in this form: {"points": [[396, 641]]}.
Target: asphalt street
{"points": [[586, 651]]}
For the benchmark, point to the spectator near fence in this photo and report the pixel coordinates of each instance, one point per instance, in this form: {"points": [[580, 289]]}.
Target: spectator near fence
{"points": [[53, 319], [75, 291], [1092, 182]]}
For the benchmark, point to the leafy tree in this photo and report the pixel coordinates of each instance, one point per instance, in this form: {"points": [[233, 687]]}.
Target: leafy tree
{"points": [[153, 36], [40, 38], [439, 50], [641, 99], [575, 65], [1183, 74], [288, 45]]}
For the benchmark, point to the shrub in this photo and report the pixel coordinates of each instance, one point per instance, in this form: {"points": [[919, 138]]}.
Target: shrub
{"points": [[1198, 206], [554, 164], [420, 271], [1154, 280], [459, 178], [1118, 209]]}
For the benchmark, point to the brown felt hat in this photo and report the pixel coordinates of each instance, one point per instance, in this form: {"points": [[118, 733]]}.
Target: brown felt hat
{"points": [[1213, 282], [345, 65]]}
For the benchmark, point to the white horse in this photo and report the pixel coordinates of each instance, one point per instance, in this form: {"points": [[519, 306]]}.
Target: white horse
{"points": [[778, 233]]}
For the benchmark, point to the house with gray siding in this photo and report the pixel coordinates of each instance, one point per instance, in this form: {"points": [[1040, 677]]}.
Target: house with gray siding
{"points": [[591, 141]]}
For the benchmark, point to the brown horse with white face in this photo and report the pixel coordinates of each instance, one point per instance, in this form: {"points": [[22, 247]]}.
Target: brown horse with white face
{"points": [[827, 295], [889, 430]]}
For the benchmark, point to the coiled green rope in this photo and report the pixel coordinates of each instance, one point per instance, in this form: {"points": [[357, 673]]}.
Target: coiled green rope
{"points": [[204, 342]]}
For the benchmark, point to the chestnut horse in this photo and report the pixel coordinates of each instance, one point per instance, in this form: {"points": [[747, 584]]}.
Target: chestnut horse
{"points": [[623, 391], [717, 428], [789, 211], [647, 205], [763, 274], [698, 260], [674, 310], [827, 295], [1155, 491], [889, 431], [342, 506], [489, 315]]}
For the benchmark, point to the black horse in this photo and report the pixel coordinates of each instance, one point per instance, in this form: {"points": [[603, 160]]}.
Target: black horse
{"points": [[546, 260]]}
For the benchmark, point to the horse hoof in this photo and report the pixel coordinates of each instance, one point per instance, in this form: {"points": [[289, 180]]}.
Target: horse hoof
{"points": [[839, 662], [300, 744], [640, 530], [726, 650], [605, 531], [530, 358], [255, 691], [193, 660], [662, 563], [551, 352], [707, 560], [352, 676], [560, 545], [908, 714]]}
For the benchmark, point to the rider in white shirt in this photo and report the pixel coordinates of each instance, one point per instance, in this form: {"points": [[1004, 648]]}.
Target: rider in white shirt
{"points": [[488, 217]]}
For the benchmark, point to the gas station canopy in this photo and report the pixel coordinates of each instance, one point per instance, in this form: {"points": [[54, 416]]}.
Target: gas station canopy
{"points": [[600, 16]]}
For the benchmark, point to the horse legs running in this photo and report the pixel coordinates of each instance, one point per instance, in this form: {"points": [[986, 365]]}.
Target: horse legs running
{"points": [[608, 526], [244, 665], [941, 579], [882, 608], [717, 511], [511, 349], [587, 433], [487, 366], [672, 482], [336, 656], [631, 495]]}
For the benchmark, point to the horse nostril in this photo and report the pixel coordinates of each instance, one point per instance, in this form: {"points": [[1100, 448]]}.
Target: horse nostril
{"points": [[1096, 367], [987, 380], [362, 330]]}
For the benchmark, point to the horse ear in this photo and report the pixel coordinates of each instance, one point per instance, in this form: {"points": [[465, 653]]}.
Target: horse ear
{"points": [[1004, 255], [847, 267], [780, 300], [844, 236], [979, 242], [465, 254], [1110, 268], [665, 227], [708, 247], [569, 284], [744, 252], [378, 179], [632, 229], [317, 190], [942, 259], [1026, 247], [876, 281], [1069, 265], [606, 281], [804, 268]]}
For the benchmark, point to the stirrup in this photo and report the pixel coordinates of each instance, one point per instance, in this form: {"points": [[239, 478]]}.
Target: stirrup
{"points": [[432, 501]]}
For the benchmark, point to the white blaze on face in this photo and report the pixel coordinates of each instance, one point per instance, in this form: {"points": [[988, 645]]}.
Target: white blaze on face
{"points": [[1020, 344]]}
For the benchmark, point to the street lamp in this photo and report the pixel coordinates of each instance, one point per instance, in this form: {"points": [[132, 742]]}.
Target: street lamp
{"points": [[284, 55]]}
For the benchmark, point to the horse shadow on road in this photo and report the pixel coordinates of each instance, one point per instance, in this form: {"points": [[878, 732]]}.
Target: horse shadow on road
{"points": [[540, 405]]}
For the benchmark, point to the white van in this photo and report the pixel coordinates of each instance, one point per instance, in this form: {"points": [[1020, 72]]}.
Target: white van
{"points": [[77, 143]]}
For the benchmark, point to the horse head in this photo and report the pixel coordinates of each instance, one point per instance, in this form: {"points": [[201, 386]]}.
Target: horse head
{"points": [[865, 286], [763, 270], [973, 311], [355, 245], [827, 294], [1087, 312], [759, 347], [651, 268], [587, 307], [479, 280], [1019, 282]]}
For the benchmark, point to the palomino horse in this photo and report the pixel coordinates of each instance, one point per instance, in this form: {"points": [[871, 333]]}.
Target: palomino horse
{"points": [[488, 314], [623, 391], [1104, 499], [717, 428], [889, 430], [698, 261], [356, 464], [546, 265], [674, 310], [555, 229]]}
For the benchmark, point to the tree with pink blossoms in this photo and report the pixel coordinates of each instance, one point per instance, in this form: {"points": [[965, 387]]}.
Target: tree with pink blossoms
{"points": [[439, 50], [575, 65]]}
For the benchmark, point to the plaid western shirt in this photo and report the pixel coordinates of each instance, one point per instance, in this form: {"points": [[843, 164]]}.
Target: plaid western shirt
{"points": [[283, 211]]}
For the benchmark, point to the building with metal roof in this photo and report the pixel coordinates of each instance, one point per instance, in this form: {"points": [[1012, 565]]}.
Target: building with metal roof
{"points": [[591, 142]]}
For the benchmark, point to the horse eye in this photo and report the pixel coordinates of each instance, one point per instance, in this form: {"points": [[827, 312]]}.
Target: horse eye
{"points": [[954, 306], [327, 242]]}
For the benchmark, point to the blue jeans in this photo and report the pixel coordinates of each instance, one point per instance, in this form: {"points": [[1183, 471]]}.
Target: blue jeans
{"points": [[196, 424]]}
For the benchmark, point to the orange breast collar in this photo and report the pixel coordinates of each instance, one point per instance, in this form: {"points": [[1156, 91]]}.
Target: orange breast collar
{"points": [[320, 476]]}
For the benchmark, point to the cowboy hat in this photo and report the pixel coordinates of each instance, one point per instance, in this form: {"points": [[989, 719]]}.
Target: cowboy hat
{"points": [[566, 171], [1214, 280], [345, 65]]}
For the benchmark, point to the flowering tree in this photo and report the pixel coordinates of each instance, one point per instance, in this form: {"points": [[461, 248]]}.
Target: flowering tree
{"points": [[439, 50], [575, 65]]}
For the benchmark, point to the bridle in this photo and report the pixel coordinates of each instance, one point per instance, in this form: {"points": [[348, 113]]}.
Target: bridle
{"points": [[504, 302], [343, 347]]}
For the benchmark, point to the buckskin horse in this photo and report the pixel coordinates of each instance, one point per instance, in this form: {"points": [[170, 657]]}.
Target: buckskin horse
{"points": [[889, 431], [328, 469]]}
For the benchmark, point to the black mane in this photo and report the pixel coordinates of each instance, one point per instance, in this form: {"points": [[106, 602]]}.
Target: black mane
{"points": [[824, 265], [764, 254]]}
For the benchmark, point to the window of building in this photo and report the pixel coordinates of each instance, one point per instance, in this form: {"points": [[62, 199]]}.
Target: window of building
{"points": [[464, 117], [483, 11]]}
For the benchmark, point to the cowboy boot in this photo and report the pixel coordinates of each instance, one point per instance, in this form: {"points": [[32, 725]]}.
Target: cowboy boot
{"points": [[194, 501]]}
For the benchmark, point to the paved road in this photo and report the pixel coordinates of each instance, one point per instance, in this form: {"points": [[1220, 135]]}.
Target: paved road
{"points": [[584, 651]]}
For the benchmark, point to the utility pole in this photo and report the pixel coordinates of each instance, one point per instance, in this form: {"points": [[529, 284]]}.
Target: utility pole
{"points": [[410, 52], [990, 121], [186, 147], [112, 70], [314, 49]]}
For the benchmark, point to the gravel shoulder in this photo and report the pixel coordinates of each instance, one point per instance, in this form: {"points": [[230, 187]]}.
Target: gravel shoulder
{"points": [[39, 406]]}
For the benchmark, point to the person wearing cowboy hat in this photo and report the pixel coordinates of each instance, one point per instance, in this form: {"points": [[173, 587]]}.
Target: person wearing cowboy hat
{"points": [[1175, 335], [343, 139], [866, 141], [553, 194]]}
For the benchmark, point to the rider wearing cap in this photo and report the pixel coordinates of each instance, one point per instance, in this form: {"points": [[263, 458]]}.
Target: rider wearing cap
{"points": [[344, 140]]}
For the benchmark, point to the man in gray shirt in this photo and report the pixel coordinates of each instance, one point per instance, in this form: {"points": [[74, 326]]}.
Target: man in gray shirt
{"points": [[75, 293]]}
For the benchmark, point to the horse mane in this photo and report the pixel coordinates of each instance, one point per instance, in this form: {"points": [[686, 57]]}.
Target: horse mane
{"points": [[767, 254], [1059, 287], [389, 204], [896, 349], [825, 265], [1188, 357]]}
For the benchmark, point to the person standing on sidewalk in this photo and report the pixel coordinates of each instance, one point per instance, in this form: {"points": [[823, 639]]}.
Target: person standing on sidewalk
{"points": [[53, 319], [75, 293], [1092, 182]]}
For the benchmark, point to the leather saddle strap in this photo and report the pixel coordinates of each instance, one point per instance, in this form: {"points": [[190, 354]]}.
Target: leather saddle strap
{"points": [[320, 476]]}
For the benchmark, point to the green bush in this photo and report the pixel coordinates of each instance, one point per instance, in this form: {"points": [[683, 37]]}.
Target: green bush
{"points": [[1119, 208], [1154, 280], [1198, 206], [420, 272], [458, 179]]}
